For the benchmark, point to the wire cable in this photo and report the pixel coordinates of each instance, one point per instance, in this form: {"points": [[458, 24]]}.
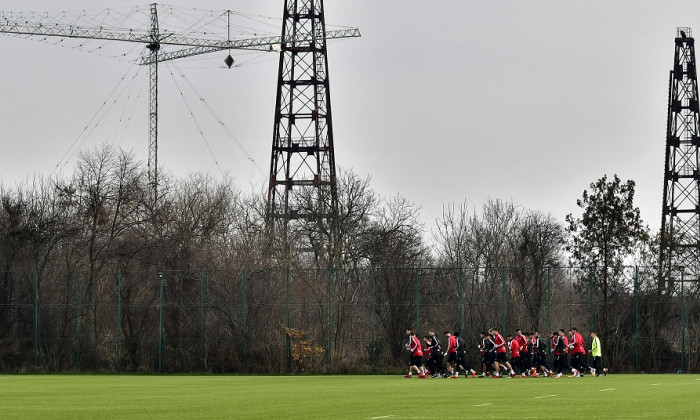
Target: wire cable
{"points": [[223, 125], [78, 142], [199, 127]]}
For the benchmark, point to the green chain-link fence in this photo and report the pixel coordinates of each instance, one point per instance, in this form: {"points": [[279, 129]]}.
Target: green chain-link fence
{"points": [[271, 320]]}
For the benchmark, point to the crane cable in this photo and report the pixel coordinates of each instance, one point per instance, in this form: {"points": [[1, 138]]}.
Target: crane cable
{"points": [[223, 125], [77, 143], [189, 109], [116, 137]]}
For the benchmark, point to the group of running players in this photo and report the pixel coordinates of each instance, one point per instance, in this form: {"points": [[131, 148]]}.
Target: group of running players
{"points": [[524, 352]]}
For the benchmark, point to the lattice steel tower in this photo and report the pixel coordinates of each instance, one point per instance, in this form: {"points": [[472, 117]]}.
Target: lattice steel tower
{"points": [[302, 185], [680, 224]]}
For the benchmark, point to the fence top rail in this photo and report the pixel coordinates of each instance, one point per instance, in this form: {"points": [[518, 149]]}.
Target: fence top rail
{"points": [[203, 270]]}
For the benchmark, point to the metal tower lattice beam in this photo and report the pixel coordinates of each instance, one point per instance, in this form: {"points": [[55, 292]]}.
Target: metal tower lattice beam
{"points": [[27, 27], [302, 183], [154, 48], [254, 44], [680, 224]]}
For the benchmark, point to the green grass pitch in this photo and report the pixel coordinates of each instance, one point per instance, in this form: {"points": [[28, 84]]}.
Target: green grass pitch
{"points": [[353, 397]]}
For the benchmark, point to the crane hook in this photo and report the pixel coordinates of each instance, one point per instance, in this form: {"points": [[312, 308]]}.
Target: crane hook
{"points": [[229, 61]]}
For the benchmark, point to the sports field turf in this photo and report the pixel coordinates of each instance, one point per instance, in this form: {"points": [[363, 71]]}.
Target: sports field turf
{"points": [[356, 397]]}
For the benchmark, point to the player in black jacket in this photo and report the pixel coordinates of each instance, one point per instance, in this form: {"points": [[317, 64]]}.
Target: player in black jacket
{"points": [[436, 356], [488, 353], [461, 357], [539, 352]]}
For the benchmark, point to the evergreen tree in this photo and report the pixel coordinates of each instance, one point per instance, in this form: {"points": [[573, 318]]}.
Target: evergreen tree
{"points": [[606, 236]]}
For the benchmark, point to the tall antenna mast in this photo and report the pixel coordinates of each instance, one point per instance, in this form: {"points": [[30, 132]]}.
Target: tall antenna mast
{"points": [[228, 60], [153, 47], [680, 223], [302, 184]]}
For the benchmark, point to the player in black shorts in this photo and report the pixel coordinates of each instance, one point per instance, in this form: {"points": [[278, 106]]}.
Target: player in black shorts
{"points": [[539, 351], [461, 357], [416, 350], [489, 355], [435, 362]]}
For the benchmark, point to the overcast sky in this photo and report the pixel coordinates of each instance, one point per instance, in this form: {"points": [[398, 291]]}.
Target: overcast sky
{"points": [[441, 102]]}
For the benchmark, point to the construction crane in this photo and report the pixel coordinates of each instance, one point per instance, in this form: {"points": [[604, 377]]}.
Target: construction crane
{"points": [[36, 24]]}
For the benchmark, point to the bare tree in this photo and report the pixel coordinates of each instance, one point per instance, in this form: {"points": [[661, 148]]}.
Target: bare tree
{"points": [[536, 244], [395, 249], [501, 238], [33, 227]]}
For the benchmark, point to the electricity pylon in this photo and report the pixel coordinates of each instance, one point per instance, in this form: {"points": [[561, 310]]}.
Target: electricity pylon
{"points": [[39, 24], [302, 190], [680, 224]]}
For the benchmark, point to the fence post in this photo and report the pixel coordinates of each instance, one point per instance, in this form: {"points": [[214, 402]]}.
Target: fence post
{"points": [[461, 302], [77, 322], [682, 321], [36, 320], [503, 298], [417, 301], [549, 299], [373, 348], [287, 340], [549, 311], [118, 333], [244, 317], [201, 321], [160, 322], [636, 319], [330, 318], [591, 322]]}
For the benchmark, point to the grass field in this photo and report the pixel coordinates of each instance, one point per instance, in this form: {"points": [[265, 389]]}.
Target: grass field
{"points": [[354, 397]]}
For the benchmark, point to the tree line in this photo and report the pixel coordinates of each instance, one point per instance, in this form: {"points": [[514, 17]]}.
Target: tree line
{"points": [[99, 274]]}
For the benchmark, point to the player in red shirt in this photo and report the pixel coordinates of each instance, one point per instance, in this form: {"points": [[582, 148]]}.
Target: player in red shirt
{"points": [[428, 354], [516, 357], [416, 363], [529, 352], [552, 344], [523, 342], [451, 354], [578, 352], [501, 351]]}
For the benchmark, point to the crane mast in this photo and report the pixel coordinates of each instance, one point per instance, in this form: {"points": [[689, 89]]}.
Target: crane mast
{"points": [[153, 47]]}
